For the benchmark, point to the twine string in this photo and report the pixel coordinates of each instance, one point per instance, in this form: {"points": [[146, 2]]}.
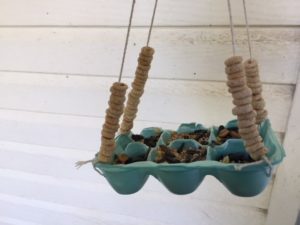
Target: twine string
{"points": [[231, 27], [152, 21], [247, 28], [126, 42]]}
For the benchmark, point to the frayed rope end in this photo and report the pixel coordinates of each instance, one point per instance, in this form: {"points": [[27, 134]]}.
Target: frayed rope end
{"points": [[79, 164]]}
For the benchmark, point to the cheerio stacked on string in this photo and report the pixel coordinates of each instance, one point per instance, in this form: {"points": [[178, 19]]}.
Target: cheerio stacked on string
{"points": [[141, 76], [111, 123], [242, 99], [253, 81]]}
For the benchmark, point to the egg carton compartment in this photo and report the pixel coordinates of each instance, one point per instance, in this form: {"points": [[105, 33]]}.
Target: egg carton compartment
{"points": [[241, 179], [192, 131], [219, 135]]}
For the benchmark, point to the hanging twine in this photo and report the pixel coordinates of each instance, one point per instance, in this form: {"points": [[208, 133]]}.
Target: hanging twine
{"points": [[231, 27], [247, 28], [126, 42], [152, 21]]}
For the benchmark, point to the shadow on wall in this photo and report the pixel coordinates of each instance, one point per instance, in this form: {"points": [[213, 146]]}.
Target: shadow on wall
{"points": [[298, 219]]}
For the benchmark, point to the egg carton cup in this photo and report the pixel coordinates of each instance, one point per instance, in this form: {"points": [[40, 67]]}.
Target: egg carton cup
{"points": [[246, 179]]}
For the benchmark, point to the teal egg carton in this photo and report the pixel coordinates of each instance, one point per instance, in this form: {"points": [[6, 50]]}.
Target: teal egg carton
{"points": [[241, 179]]}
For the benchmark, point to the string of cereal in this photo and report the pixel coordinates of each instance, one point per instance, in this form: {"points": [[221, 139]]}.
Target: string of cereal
{"points": [[242, 99], [138, 84]]}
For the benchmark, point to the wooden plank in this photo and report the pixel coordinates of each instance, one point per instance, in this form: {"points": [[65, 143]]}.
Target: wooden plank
{"points": [[60, 130], [65, 193], [170, 12], [181, 53], [169, 212], [12, 221], [53, 213], [286, 191], [207, 102]]}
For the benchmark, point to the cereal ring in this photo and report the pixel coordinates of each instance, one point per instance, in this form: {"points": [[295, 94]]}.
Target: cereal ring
{"points": [[107, 150], [137, 87], [257, 90], [130, 111], [259, 105], [252, 75], [235, 76], [132, 105], [249, 136], [254, 85], [144, 60], [236, 89], [115, 109], [246, 116], [104, 159], [257, 97], [254, 140], [261, 116], [141, 72], [251, 70], [250, 63], [234, 68], [130, 117], [242, 109], [146, 54], [118, 87], [253, 148], [107, 141], [115, 106], [111, 120], [108, 129], [139, 81], [248, 130], [236, 83], [261, 112], [114, 113], [136, 94], [117, 100], [115, 97], [126, 126], [144, 68], [242, 94], [246, 123], [143, 76], [109, 126], [259, 153], [253, 79], [147, 51], [135, 99], [243, 101], [108, 134], [120, 94], [233, 60]]}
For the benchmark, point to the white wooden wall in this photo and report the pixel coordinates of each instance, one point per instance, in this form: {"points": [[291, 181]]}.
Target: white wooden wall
{"points": [[58, 59]]}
